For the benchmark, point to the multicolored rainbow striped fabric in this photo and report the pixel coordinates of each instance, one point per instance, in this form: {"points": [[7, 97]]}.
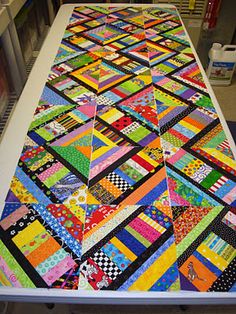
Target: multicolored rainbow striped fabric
{"points": [[126, 180]]}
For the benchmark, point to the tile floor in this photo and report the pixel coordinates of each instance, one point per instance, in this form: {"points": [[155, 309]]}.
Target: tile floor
{"points": [[226, 96]]}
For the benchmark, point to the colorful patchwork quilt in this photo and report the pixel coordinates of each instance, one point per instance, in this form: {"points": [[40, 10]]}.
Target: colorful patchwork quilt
{"points": [[126, 180]]}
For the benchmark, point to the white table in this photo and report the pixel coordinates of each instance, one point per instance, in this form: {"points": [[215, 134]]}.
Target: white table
{"points": [[10, 149]]}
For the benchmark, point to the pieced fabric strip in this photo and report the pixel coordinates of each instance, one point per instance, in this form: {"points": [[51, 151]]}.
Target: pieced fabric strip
{"points": [[126, 180]]}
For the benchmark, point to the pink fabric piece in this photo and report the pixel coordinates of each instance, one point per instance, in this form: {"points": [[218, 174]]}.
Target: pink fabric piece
{"points": [[50, 171], [104, 164], [9, 274], [13, 217], [57, 271], [230, 197], [180, 153], [88, 110], [177, 199], [145, 229]]}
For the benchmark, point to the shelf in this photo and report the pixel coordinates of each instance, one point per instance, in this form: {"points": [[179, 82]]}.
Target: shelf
{"points": [[14, 7], [5, 20]]}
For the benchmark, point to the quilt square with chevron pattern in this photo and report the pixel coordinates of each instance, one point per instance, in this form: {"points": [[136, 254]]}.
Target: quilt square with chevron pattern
{"points": [[126, 180]]}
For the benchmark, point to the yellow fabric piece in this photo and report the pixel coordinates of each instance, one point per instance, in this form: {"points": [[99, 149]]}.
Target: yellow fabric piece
{"points": [[152, 223], [120, 246], [24, 236], [21, 192], [214, 258], [155, 271]]}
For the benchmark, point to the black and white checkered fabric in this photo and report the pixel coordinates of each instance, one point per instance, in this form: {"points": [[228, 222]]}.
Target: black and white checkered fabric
{"points": [[118, 181], [104, 262]]}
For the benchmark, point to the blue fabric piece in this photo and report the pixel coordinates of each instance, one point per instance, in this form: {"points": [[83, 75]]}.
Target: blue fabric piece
{"points": [[154, 193], [133, 244], [167, 279], [146, 264], [9, 209], [52, 98], [31, 187], [208, 264]]}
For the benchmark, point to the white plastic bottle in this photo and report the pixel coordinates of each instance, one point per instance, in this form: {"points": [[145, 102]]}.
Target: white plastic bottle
{"points": [[222, 64]]}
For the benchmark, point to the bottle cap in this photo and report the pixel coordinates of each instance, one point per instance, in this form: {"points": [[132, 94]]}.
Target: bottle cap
{"points": [[216, 46]]}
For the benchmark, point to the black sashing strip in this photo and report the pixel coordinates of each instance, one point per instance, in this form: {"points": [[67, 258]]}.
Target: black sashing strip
{"points": [[39, 184], [206, 191], [81, 83], [211, 164], [194, 245], [115, 165], [177, 119], [226, 233], [137, 185], [117, 132], [226, 280], [67, 164], [202, 133], [111, 234], [134, 58], [140, 260], [22, 261]]}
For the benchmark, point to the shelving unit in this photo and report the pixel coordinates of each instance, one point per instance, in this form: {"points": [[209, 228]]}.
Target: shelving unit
{"points": [[19, 67], [10, 79], [9, 52], [13, 7], [4, 20]]}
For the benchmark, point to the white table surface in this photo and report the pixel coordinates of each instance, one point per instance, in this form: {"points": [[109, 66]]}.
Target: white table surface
{"points": [[10, 149]]}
